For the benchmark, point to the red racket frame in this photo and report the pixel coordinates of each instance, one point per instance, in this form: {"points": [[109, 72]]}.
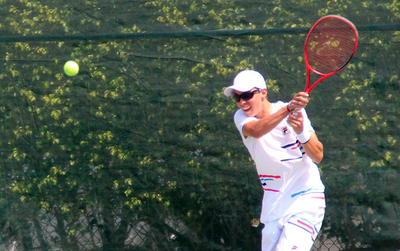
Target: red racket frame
{"points": [[326, 75]]}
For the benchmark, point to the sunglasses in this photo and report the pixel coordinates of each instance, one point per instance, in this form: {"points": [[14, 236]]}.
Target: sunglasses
{"points": [[245, 95]]}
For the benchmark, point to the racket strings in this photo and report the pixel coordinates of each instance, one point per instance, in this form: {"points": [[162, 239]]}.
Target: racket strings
{"points": [[330, 45]]}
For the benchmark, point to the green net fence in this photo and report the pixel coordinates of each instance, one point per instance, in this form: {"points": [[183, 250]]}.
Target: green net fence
{"points": [[139, 150]]}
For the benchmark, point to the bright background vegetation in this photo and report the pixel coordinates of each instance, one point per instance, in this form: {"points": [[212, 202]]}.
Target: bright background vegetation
{"points": [[139, 151]]}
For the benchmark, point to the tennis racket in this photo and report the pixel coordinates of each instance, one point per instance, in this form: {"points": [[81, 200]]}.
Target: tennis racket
{"points": [[330, 45]]}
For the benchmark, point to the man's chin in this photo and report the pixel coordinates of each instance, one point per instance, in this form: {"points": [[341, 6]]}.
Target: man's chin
{"points": [[248, 112]]}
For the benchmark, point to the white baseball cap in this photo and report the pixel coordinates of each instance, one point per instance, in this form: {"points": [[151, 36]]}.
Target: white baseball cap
{"points": [[246, 80]]}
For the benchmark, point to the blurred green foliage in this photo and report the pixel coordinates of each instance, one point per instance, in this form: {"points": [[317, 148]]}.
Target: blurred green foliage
{"points": [[139, 150]]}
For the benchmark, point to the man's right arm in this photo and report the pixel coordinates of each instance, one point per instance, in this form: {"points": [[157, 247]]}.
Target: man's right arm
{"points": [[257, 129], [264, 125]]}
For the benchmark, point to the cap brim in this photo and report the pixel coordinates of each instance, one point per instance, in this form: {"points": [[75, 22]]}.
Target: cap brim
{"points": [[228, 91]]}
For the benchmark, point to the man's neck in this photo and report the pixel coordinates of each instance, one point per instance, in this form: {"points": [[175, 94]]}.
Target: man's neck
{"points": [[266, 109]]}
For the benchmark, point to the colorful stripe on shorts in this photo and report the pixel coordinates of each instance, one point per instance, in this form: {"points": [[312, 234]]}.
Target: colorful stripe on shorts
{"points": [[305, 225]]}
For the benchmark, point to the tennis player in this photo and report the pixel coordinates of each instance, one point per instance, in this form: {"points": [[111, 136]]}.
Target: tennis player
{"points": [[283, 144]]}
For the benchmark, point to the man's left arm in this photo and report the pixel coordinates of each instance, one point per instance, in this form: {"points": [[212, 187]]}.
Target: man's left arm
{"points": [[311, 144], [314, 148]]}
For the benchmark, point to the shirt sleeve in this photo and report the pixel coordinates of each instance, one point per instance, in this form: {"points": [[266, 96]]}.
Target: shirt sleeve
{"points": [[240, 119]]}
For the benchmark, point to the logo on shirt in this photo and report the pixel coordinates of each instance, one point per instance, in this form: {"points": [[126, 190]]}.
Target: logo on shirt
{"points": [[285, 130]]}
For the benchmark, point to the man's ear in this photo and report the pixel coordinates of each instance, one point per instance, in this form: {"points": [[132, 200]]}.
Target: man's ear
{"points": [[264, 92]]}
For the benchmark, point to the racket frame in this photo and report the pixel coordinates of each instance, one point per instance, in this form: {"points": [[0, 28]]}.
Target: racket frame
{"points": [[326, 75]]}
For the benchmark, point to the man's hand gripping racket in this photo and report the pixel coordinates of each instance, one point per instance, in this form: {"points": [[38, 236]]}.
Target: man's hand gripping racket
{"points": [[330, 45]]}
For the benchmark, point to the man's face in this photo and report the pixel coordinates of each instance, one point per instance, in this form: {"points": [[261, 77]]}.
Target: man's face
{"points": [[250, 102]]}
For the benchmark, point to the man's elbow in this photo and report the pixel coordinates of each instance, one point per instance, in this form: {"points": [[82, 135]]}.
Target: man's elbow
{"points": [[318, 158], [253, 133], [257, 135]]}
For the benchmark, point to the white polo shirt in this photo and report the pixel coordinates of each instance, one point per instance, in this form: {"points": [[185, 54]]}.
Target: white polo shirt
{"points": [[289, 177]]}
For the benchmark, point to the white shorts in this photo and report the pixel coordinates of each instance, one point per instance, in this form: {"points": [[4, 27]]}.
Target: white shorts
{"points": [[293, 232]]}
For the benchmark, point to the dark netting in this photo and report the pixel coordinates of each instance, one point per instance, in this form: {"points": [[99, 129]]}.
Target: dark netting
{"points": [[139, 150]]}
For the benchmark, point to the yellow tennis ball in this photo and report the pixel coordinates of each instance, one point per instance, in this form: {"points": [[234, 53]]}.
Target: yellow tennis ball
{"points": [[71, 68]]}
